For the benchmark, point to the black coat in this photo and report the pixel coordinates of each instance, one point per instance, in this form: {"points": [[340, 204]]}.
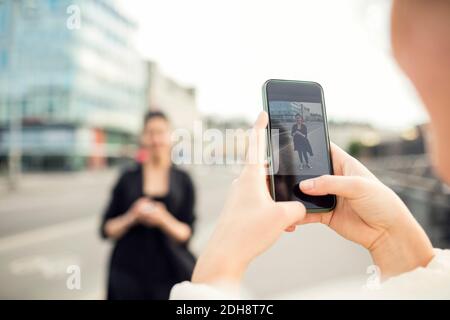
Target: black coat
{"points": [[301, 143], [145, 262]]}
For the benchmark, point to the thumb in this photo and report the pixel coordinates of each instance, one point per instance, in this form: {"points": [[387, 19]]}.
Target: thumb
{"points": [[257, 144], [350, 187], [293, 212]]}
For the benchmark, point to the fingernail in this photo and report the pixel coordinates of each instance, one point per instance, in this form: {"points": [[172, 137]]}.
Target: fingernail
{"points": [[307, 184]]}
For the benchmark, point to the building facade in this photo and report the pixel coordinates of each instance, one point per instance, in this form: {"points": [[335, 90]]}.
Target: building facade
{"points": [[176, 100], [70, 75], [286, 112]]}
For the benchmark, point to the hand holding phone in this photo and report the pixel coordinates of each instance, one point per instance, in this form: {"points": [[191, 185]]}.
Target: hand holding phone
{"points": [[370, 214], [250, 221]]}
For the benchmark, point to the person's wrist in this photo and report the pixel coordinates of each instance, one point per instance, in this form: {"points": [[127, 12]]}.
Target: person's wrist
{"points": [[216, 266], [131, 218], [166, 219], [402, 248]]}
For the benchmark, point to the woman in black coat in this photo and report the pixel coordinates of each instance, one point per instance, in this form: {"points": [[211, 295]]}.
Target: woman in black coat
{"points": [[299, 133], [150, 217]]}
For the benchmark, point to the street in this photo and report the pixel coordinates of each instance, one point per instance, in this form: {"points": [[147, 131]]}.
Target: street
{"points": [[52, 223], [318, 162]]}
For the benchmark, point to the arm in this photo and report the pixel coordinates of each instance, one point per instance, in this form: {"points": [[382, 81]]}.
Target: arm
{"points": [[178, 225], [115, 228], [179, 231], [305, 133], [159, 217], [114, 222], [117, 225], [250, 221], [403, 249], [294, 131]]}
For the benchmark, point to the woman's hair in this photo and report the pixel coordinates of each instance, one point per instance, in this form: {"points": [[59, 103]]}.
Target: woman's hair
{"points": [[154, 114]]}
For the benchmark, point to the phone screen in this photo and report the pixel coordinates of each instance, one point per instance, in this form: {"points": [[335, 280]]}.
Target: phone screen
{"points": [[299, 143]]}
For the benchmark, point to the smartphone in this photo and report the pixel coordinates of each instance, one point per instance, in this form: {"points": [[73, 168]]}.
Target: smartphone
{"points": [[298, 141]]}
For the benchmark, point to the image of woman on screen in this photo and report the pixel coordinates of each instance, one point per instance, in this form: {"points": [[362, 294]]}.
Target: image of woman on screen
{"points": [[299, 134]]}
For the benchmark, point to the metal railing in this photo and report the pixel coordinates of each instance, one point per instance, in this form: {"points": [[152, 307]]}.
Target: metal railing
{"points": [[428, 198]]}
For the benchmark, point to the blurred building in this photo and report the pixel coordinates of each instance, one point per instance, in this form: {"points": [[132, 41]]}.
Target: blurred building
{"points": [[176, 100], [235, 134], [344, 134], [408, 142], [286, 112], [70, 73]]}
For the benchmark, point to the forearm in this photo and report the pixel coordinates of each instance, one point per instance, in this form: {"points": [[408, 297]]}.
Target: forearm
{"points": [[176, 229], [213, 268], [402, 249], [115, 228], [220, 263]]}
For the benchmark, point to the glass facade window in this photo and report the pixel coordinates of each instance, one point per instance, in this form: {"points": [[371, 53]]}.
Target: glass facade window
{"points": [[89, 78]]}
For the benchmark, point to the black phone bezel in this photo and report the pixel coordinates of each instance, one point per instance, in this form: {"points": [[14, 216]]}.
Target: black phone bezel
{"points": [[329, 199]]}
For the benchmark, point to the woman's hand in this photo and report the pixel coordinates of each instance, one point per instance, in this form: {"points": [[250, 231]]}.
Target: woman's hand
{"points": [[370, 214], [138, 207], [250, 222], [116, 227], [155, 214]]}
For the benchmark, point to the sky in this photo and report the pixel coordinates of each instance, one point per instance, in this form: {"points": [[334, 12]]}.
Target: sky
{"points": [[228, 49]]}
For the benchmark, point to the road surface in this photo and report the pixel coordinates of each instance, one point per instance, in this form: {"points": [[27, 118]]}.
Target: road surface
{"points": [[318, 162]]}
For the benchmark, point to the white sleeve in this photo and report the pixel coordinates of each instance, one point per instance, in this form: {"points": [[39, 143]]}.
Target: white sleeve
{"points": [[193, 291], [431, 282]]}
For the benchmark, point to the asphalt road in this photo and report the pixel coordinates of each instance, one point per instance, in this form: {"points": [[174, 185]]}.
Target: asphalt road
{"points": [[51, 223], [318, 161]]}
